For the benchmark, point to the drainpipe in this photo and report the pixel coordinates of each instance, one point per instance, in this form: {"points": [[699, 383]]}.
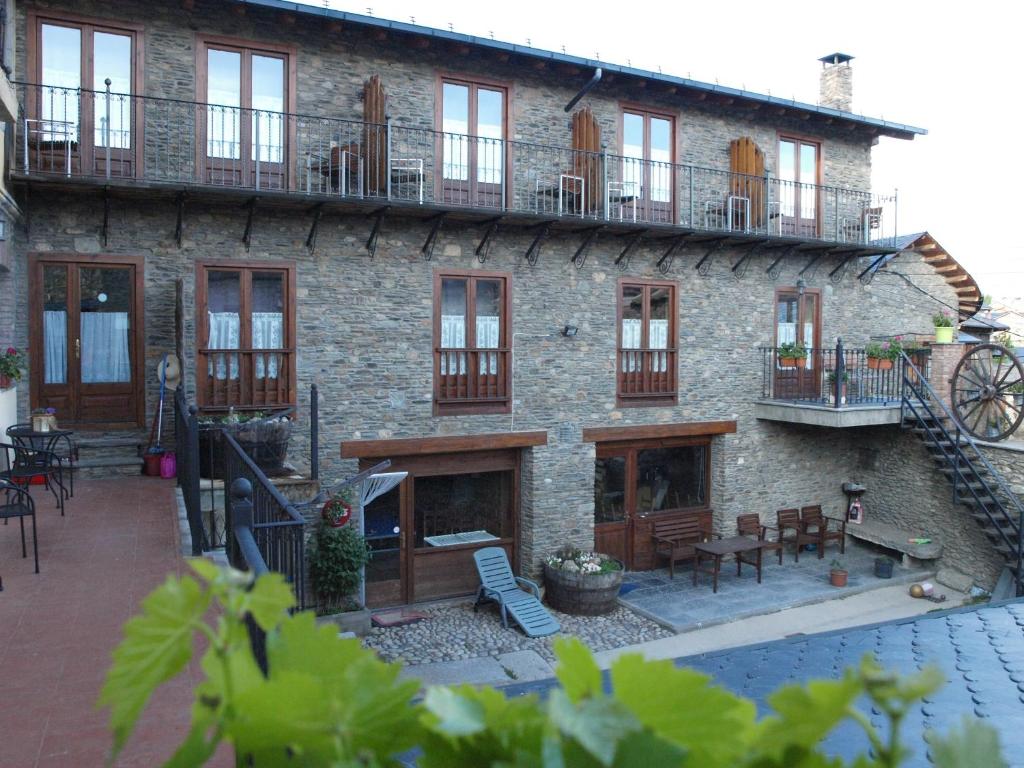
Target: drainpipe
{"points": [[594, 80]]}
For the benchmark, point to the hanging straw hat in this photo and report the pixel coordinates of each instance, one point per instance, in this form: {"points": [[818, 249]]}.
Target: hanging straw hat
{"points": [[171, 368]]}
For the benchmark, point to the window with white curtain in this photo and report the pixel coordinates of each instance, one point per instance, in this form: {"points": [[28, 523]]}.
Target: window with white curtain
{"points": [[646, 326]]}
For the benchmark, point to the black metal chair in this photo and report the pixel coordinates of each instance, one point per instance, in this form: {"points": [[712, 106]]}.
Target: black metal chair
{"points": [[59, 443], [22, 466], [16, 502]]}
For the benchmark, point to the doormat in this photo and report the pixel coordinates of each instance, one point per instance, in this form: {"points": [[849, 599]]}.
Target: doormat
{"points": [[397, 618], [625, 589]]}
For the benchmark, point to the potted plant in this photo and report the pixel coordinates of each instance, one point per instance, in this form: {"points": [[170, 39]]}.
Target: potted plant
{"points": [[838, 575], [943, 322], [264, 437], [11, 363], [843, 380], [336, 557], [582, 582], [1017, 390], [882, 355], [44, 419], [791, 354]]}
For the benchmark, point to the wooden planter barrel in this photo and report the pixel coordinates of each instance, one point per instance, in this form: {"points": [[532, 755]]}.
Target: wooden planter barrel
{"points": [[591, 594]]}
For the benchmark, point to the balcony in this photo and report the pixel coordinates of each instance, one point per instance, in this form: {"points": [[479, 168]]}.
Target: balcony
{"points": [[833, 388], [74, 136]]}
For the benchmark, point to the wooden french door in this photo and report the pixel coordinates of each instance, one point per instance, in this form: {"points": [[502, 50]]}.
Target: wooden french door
{"points": [[799, 174], [86, 338], [798, 320], [473, 143], [647, 171], [635, 483], [424, 532]]}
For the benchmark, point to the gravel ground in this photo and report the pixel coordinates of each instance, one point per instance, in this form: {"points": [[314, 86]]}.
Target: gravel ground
{"points": [[454, 631]]}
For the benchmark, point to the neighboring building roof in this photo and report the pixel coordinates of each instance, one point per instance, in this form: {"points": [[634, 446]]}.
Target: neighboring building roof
{"points": [[980, 650], [877, 125], [969, 295], [985, 321]]}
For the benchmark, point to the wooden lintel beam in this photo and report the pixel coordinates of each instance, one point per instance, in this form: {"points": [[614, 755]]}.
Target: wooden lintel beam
{"points": [[658, 431], [422, 446]]}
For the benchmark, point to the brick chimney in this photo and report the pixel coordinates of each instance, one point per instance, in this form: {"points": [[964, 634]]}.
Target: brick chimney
{"points": [[836, 90]]}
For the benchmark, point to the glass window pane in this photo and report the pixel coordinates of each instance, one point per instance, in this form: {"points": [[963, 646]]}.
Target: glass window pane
{"points": [[808, 177], [455, 125], [787, 177], [106, 297], [671, 478], [785, 332], [381, 521], [633, 153], [808, 338], [658, 330], [453, 324], [632, 326], [268, 320], [268, 108], [61, 72], [490, 129], [112, 58], [661, 159], [463, 509], [610, 490], [488, 314], [224, 94], [55, 324], [223, 312]]}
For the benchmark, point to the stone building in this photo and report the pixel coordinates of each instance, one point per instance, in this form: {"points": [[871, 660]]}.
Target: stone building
{"points": [[549, 288]]}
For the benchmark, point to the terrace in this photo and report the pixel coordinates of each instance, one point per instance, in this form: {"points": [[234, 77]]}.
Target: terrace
{"points": [[76, 137]]}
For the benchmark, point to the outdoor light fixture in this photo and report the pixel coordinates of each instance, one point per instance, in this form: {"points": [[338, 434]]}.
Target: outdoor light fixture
{"points": [[570, 331], [800, 285]]}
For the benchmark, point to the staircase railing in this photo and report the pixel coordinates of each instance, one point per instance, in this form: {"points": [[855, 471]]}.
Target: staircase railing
{"points": [[965, 473]]}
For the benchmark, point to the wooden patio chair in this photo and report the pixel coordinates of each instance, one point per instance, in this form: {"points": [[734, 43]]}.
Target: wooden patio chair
{"points": [[498, 583], [750, 525], [819, 529], [788, 520], [674, 538]]}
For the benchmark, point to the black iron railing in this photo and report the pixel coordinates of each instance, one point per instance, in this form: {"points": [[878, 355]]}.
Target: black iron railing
{"points": [[104, 136], [836, 377], [186, 436], [268, 518]]}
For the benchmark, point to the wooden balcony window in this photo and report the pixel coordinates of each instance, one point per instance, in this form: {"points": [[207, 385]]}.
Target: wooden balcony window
{"points": [[647, 359], [472, 355]]}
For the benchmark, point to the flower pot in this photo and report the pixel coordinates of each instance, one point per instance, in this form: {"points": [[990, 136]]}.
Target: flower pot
{"points": [[943, 335], [5, 381], [582, 594], [883, 567], [879, 364], [264, 440], [44, 422], [789, 362], [838, 578]]}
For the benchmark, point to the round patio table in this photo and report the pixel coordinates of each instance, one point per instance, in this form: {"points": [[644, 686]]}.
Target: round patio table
{"points": [[24, 436]]}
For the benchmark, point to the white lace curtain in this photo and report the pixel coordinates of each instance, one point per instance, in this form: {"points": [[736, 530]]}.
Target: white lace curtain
{"points": [[225, 333], [785, 333], [632, 338], [453, 336], [104, 352], [55, 346]]}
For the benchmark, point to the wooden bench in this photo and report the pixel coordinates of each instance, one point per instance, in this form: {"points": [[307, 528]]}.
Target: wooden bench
{"points": [[674, 538]]}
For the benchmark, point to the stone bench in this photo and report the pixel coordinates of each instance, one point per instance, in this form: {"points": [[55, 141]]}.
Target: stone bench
{"points": [[893, 537]]}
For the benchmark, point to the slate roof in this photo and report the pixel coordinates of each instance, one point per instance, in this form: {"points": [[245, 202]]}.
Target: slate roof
{"points": [[878, 125], [980, 649]]}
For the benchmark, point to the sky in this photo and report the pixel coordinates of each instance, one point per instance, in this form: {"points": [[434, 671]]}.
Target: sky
{"points": [[949, 67]]}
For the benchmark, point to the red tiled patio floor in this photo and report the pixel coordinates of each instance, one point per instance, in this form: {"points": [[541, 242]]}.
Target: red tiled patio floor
{"points": [[118, 540]]}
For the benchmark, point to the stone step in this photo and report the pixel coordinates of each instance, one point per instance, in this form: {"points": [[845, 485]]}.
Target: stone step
{"points": [[100, 467]]}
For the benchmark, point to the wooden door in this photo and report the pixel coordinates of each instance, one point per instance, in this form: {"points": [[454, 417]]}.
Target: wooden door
{"points": [[86, 336], [386, 573], [798, 319], [613, 501], [473, 127], [799, 173]]}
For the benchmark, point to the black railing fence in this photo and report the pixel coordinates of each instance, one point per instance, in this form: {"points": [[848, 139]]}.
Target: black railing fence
{"points": [[836, 377], [186, 436]]}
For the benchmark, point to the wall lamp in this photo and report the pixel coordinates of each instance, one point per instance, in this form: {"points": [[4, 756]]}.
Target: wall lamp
{"points": [[570, 331]]}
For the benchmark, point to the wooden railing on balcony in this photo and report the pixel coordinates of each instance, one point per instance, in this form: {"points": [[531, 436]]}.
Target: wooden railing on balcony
{"points": [[245, 378], [471, 376], [644, 373]]}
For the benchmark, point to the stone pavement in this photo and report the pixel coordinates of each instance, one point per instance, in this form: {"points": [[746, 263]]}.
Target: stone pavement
{"points": [[116, 543], [680, 606]]}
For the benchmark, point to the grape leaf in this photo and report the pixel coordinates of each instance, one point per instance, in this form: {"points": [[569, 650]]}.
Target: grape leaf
{"points": [[597, 724], [454, 714], [157, 645], [269, 600], [577, 671], [642, 749], [806, 714], [973, 743], [681, 706]]}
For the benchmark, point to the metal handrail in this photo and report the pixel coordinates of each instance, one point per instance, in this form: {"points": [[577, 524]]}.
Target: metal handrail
{"points": [[263, 480]]}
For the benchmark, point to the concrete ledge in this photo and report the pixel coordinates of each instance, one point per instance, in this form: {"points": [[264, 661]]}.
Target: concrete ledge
{"points": [[892, 537], [827, 416]]}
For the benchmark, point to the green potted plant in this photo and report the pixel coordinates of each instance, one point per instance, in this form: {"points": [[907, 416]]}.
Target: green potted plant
{"points": [[336, 555], [843, 380], [838, 575], [263, 436], [791, 354], [1017, 390], [943, 322], [582, 582], [883, 355], [11, 363]]}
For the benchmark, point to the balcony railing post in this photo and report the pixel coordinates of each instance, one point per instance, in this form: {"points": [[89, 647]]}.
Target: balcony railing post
{"points": [[840, 374], [256, 118], [604, 185], [689, 172], [387, 155], [106, 128], [896, 221]]}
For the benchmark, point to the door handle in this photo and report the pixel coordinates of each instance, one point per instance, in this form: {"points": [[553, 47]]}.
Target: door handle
{"points": [[78, 349]]}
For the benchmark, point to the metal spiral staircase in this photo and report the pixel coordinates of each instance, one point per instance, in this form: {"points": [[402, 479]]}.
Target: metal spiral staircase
{"points": [[976, 483]]}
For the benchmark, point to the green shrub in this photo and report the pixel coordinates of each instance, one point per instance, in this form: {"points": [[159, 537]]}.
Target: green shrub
{"points": [[336, 556]]}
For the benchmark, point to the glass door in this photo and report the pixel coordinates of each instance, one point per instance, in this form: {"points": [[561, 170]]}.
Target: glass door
{"points": [[798, 190], [472, 144], [798, 321], [647, 170], [612, 500], [382, 525]]}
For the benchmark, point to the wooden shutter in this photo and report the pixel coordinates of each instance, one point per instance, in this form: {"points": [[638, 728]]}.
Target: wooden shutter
{"points": [[586, 144], [746, 158], [375, 135]]}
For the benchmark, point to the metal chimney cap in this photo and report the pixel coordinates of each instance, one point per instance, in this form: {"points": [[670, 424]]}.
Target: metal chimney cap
{"points": [[836, 58]]}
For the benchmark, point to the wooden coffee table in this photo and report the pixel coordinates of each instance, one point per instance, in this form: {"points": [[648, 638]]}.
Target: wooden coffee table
{"points": [[719, 548]]}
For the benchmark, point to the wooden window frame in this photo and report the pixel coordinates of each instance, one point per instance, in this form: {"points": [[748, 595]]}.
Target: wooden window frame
{"points": [[646, 112], [473, 82], [35, 20], [807, 380], [501, 404], [246, 267], [819, 143], [643, 399], [247, 47]]}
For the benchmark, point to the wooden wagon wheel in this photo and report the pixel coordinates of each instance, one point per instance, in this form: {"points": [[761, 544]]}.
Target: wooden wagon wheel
{"points": [[982, 392]]}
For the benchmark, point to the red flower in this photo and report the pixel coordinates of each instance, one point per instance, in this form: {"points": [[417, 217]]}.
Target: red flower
{"points": [[12, 351]]}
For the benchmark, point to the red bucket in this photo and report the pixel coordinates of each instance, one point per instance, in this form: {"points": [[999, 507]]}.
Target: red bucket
{"points": [[151, 465]]}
